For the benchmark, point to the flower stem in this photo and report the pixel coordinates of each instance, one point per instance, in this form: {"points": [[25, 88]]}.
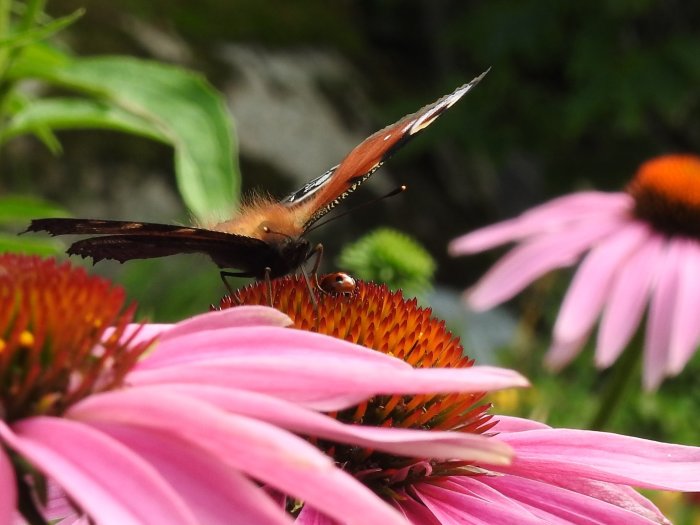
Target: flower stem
{"points": [[617, 385]]}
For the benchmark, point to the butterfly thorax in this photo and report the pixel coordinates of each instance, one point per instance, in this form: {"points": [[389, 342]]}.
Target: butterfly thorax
{"points": [[274, 225], [262, 219]]}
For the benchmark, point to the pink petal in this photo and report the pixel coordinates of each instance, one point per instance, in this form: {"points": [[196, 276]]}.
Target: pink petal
{"points": [[552, 216], [605, 457], [8, 489], [229, 318], [530, 260], [415, 512], [326, 382], [310, 516], [106, 479], [470, 501], [259, 343], [558, 505], [397, 441], [662, 308], [265, 452], [621, 496], [216, 493], [516, 424], [686, 328], [628, 297], [590, 287], [561, 353]]}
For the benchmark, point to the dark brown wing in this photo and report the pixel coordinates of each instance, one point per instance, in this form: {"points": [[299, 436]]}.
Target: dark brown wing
{"points": [[320, 195], [65, 226], [124, 241]]}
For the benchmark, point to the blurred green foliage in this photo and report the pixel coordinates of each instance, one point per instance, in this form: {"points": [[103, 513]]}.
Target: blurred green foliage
{"points": [[390, 257], [157, 101]]}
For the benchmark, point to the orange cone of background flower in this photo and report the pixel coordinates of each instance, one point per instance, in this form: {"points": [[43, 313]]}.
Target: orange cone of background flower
{"points": [[641, 246]]}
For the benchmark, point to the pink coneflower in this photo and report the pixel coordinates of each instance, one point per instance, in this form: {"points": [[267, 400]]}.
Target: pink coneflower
{"points": [[194, 431], [642, 247], [557, 476]]}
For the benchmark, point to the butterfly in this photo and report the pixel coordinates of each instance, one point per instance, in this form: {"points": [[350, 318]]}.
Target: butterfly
{"points": [[266, 238]]}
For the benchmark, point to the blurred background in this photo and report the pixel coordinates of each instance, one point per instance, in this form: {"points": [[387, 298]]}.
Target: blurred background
{"points": [[579, 94]]}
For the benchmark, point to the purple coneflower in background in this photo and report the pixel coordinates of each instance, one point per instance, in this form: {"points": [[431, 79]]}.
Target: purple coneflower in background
{"points": [[556, 475], [642, 246]]}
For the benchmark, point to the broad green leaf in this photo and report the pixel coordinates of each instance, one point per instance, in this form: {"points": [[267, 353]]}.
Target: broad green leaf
{"points": [[73, 113], [19, 208], [35, 34], [17, 102], [179, 104], [14, 244]]}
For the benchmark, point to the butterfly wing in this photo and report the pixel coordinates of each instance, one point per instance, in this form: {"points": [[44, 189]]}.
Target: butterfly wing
{"points": [[323, 193], [123, 241]]}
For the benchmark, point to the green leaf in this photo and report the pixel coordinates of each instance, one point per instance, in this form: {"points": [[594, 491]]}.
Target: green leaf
{"points": [[179, 104], [17, 208], [35, 34], [14, 244], [73, 113], [16, 102]]}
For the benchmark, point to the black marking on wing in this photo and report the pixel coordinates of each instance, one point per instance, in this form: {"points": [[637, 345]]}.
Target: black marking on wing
{"points": [[308, 189]]}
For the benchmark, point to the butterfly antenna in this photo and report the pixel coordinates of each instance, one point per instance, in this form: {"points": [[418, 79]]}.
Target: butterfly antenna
{"points": [[273, 232], [393, 192]]}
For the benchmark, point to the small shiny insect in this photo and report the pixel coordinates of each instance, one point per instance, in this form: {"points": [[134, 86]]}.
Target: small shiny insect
{"points": [[266, 238], [337, 283]]}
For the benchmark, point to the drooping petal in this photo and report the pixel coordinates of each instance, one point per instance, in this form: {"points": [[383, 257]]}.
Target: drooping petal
{"points": [[470, 501], [516, 424], [627, 300], [310, 516], [561, 353], [264, 452], [555, 504], [216, 493], [8, 489], [606, 457], [259, 343], [589, 289], [685, 332], [661, 311], [336, 382], [552, 216], [398, 441], [532, 259], [105, 478], [415, 512], [229, 318]]}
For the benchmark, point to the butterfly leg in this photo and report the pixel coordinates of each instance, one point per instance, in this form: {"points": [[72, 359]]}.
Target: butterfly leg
{"points": [[268, 285], [318, 253], [224, 274]]}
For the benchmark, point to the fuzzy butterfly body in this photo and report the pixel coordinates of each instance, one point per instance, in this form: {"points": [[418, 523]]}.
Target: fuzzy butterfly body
{"points": [[265, 237]]}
